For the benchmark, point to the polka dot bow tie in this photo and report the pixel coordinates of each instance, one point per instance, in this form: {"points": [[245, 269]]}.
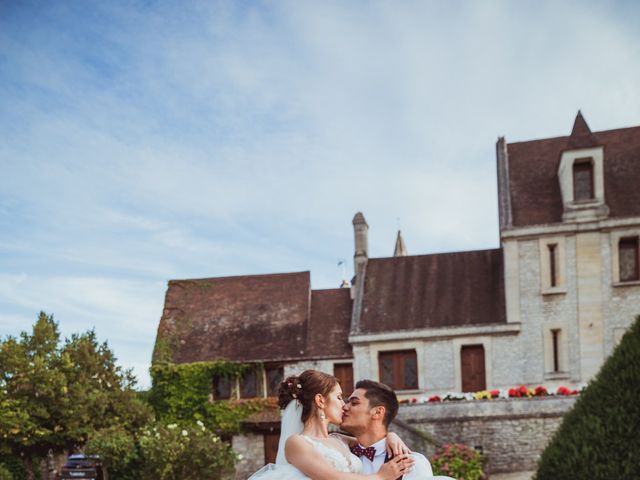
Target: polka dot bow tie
{"points": [[368, 452]]}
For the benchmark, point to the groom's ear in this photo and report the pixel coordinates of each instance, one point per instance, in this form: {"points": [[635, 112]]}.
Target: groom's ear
{"points": [[378, 412]]}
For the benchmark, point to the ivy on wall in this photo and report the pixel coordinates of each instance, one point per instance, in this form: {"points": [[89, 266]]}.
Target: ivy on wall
{"points": [[182, 392]]}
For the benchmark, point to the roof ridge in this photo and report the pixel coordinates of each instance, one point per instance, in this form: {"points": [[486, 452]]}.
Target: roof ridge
{"points": [[457, 252], [230, 277], [566, 137]]}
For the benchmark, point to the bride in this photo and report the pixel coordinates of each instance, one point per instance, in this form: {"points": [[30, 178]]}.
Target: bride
{"points": [[307, 450]]}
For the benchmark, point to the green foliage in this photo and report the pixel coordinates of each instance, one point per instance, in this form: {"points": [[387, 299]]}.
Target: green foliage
{"points": [[14, 465], [54, 395], [117, 449], [5, 474], [182, 392], [187, 452], [458, 461], [599, 438], [225, 417]]}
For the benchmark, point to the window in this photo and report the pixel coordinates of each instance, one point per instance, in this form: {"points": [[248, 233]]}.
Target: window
{"points": [[555, 341], [399, 369], [628, 259], [274, 375], [249, 386], [344, 373], [553, 264], [583, 180], [221, 388]]}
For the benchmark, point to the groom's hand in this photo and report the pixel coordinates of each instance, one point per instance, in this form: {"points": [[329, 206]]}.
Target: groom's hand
{"points": [[399, 466], [395, 445]]}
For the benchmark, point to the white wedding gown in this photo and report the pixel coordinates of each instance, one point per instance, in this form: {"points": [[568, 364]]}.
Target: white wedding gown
{"points": [[343, 461]]}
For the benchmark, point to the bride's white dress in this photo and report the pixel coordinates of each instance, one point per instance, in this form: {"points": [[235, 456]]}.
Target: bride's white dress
{"points": [[342, 460]]}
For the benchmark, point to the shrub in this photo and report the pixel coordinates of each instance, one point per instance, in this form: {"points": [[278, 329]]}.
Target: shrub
{"points": [[118, 452], [599, 438], [5, 474], [458, 461], [187, 452]]}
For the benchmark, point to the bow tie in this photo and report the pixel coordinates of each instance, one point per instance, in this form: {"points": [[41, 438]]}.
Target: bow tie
{"points": [[368, 452]]}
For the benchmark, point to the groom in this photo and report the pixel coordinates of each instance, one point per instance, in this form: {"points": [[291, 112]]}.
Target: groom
{"points": [[367, 415]]}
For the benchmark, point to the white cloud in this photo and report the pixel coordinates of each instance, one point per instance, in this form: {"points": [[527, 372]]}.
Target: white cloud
{"points": [[189, 140]]}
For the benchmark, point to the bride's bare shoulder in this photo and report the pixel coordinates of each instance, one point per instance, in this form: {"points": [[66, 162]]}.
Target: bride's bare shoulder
{"points": [[297, 441]]}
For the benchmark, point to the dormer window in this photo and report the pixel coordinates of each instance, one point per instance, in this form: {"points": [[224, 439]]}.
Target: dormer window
{"points": [[583, 190], [581, 176]]}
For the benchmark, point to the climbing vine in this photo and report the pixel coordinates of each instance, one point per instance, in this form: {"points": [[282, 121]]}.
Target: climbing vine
{"points": [[182, 392]]}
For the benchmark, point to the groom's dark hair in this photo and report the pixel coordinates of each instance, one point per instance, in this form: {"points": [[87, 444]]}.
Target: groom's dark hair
{"points": [[378, 395]]}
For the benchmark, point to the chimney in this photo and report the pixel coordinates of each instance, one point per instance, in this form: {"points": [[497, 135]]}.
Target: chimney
{"points": [[361, 234]]}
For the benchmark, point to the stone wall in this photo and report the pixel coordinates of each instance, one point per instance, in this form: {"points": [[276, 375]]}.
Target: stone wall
{"points": [[511, 433], [251, 448]]}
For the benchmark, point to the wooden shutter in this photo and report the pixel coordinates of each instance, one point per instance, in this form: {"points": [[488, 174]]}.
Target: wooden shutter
{"points": [[344, 373], [473, 372], [271, 440], [399, 369]]}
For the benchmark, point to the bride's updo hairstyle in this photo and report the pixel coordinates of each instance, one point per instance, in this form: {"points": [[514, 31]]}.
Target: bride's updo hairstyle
{"points": [[304, 388]]}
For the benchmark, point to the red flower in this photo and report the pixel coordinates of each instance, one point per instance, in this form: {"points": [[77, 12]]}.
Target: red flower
{"points": [[435, 398], [495, 393], [563, 391], [514, 392], [523, 390], [541, 391]]}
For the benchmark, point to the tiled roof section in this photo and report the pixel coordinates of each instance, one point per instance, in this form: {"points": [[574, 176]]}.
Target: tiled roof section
{"points": [[330, 324], [533, 176], [581, 136], [248, 318], [431, 291]]}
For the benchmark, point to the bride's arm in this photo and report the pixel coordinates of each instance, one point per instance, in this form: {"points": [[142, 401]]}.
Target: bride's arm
{"points": [[395, 445], [305, 458]]}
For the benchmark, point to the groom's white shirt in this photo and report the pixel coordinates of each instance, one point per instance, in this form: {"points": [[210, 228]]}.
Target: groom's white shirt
{"points": [[421, 469]]}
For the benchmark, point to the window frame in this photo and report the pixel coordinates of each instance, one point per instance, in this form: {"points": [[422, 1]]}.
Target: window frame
{"points": [[634, 241], [398, 358], [584, 164], [269, 367], [257, 381]]}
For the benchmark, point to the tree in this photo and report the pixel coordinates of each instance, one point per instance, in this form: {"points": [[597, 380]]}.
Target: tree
{"points": [[598, 438], [53, 395]]}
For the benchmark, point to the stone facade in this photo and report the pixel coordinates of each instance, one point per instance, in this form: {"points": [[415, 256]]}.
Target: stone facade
{"points": [[510, 433], [250, 447]]}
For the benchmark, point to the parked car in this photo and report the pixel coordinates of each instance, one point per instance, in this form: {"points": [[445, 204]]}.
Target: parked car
{"points": [[80, 466]]}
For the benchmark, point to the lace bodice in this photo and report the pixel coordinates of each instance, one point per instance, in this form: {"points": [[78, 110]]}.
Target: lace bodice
{"points": [[342, 460]]}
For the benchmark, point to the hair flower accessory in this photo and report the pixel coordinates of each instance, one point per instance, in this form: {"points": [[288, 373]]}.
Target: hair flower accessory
{"points": [[299, 387], [294, 395]]}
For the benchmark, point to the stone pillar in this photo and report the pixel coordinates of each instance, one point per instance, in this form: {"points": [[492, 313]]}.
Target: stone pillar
{"points": [[590, 308]]}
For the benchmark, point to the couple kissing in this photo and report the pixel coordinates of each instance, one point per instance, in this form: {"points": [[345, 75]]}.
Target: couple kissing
{"points": [[313, 400]]}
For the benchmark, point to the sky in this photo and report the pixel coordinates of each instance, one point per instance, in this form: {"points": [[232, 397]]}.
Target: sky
{"points": [[143, 141]]}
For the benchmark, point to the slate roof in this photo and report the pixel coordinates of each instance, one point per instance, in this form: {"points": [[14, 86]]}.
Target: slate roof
{"points": [[253, 318], [429, 291], [533, 173]]}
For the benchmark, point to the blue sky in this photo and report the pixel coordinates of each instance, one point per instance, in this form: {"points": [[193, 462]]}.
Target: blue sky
{"points": [[148, 141]]}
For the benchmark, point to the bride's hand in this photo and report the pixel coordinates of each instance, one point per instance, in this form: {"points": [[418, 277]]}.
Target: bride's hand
{"points": [[395, 445], [396, 467]]}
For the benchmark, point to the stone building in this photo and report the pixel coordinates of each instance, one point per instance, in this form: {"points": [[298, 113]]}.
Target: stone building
{"points": [[545, 307]]}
